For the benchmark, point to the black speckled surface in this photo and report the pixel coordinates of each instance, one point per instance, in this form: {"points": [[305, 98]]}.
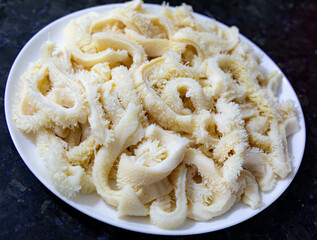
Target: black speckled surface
{"points": [[285, 30]]}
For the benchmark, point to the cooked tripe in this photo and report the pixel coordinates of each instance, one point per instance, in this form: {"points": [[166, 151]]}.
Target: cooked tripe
{"points": [[160, 114]]}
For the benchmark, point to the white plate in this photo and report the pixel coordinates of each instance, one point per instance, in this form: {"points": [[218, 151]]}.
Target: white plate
{"points": [[92, 205]]}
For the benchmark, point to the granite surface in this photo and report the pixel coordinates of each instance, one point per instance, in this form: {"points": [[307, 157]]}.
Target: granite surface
{"points": [[285, 30]]}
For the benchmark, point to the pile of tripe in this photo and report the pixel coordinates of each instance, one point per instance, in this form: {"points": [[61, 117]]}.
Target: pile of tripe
{"points": [[160, 114]]}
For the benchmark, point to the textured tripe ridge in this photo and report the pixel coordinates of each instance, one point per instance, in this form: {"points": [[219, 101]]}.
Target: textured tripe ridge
{"points": [[160, 114]]}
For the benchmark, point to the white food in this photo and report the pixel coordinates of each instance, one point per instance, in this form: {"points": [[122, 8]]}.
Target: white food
{"points": [[161, 115]]}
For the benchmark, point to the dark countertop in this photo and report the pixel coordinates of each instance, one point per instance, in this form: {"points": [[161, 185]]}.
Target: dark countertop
{"points": [[285, 30]]}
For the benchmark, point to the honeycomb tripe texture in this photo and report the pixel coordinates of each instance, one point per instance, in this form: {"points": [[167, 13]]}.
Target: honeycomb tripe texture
{"points": [[161, 114]]}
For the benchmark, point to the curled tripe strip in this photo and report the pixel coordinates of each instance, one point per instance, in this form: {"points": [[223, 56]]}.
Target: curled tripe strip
{"points": [[74, 36], [137, 170], [68, 179], [178, 102], [153, 47], [256, 162], [160, 114], [154, 105], [249, 190], [98, 123], [210, 197], [161, 213], [127, 132], [203, 44], [50, 96], [107, 40]]}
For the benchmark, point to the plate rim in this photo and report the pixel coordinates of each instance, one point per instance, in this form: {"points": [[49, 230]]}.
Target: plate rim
{"points": [[70, 202]]}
